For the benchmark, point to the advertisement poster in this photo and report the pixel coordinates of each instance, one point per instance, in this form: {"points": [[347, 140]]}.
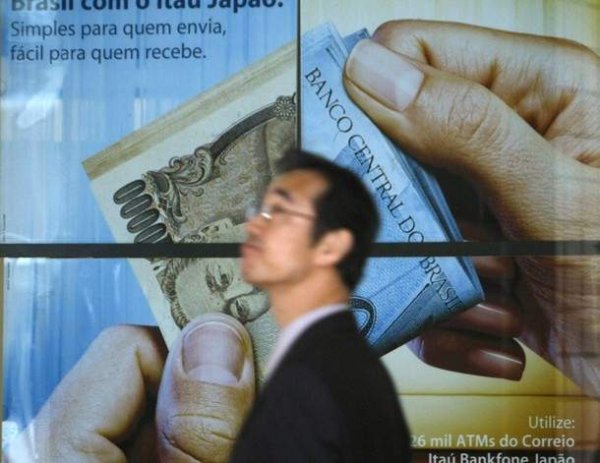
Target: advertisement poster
{"points": [[494, 400], [162, 121], [86, 80]]}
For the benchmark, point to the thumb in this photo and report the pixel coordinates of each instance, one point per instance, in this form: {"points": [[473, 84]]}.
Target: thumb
{"points": [[207, 388], [454, 123]]}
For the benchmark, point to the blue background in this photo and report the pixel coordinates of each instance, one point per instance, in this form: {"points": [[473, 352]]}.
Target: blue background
{"points": [[53, 117]]}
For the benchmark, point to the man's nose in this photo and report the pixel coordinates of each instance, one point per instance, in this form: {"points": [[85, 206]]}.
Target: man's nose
{"points": [[254, 225]]}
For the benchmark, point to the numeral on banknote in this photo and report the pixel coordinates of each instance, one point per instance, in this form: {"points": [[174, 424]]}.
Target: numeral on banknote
{"points": [[138, 207]]}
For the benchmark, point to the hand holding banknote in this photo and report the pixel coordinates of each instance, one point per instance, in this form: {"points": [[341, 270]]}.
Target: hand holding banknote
{"points": [[122, 402], [517, 116]]}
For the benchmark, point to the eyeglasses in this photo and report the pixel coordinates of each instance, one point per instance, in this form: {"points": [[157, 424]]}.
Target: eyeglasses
{"points": [[270, 212]]}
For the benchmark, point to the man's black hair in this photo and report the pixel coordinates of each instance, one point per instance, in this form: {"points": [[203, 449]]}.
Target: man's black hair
{"points": [[345, 203]]}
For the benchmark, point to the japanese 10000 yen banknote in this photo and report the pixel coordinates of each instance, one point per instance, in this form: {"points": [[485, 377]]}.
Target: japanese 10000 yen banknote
{"points": [[397, 297], [190, 176]]}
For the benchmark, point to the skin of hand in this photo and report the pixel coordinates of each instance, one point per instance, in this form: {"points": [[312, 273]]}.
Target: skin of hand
{"points": [[122, 402], [517, 116]]}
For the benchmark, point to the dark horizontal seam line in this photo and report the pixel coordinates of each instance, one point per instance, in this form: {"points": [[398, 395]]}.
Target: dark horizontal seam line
{"points": [[165, 250]]}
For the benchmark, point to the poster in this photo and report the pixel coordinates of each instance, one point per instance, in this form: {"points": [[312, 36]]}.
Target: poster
{"points": [[78, 77], [456, 416], [90, 88]]}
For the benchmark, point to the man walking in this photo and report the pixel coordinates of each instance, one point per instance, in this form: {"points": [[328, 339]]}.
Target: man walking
{"points": [[327, 396]]}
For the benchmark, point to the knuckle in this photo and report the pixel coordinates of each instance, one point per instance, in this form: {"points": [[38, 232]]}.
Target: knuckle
{"points": [[576, 49], [474, 117], [123, 335], [387, 31], [403, 36]]}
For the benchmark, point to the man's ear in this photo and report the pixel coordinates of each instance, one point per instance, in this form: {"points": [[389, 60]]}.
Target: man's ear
{"points": [[334, 246]]}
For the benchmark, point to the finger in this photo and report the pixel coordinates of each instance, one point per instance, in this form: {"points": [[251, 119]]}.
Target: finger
{"points": [[495, 267], [207, 388], [100, 401], [498, 316], [540, 77], [469, 353], [454, 123]]}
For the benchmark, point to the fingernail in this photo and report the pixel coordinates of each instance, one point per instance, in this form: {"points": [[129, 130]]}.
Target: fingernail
{"points": [[497, 319], [213, 352], [500, 319], [498, 364], [383, 74], [467, 353]]}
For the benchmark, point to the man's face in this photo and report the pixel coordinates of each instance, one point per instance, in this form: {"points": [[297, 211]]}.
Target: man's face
{"points": [[279, 250]]}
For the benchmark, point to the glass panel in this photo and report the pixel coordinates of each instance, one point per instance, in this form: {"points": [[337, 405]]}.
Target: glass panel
{"points": [[475, 104], [125, 90]]}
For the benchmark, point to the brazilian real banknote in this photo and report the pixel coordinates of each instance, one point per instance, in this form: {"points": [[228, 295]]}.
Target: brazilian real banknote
{"points": [[397, 297]]}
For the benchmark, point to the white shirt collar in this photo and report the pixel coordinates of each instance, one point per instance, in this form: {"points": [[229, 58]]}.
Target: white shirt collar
{"points": [[291, 332]]}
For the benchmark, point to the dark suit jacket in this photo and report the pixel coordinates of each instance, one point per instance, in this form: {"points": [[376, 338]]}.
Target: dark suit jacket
{"points": [[329, 400]]}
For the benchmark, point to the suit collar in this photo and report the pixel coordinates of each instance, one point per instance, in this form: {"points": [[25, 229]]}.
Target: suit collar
{"points": [[340, 323]]}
